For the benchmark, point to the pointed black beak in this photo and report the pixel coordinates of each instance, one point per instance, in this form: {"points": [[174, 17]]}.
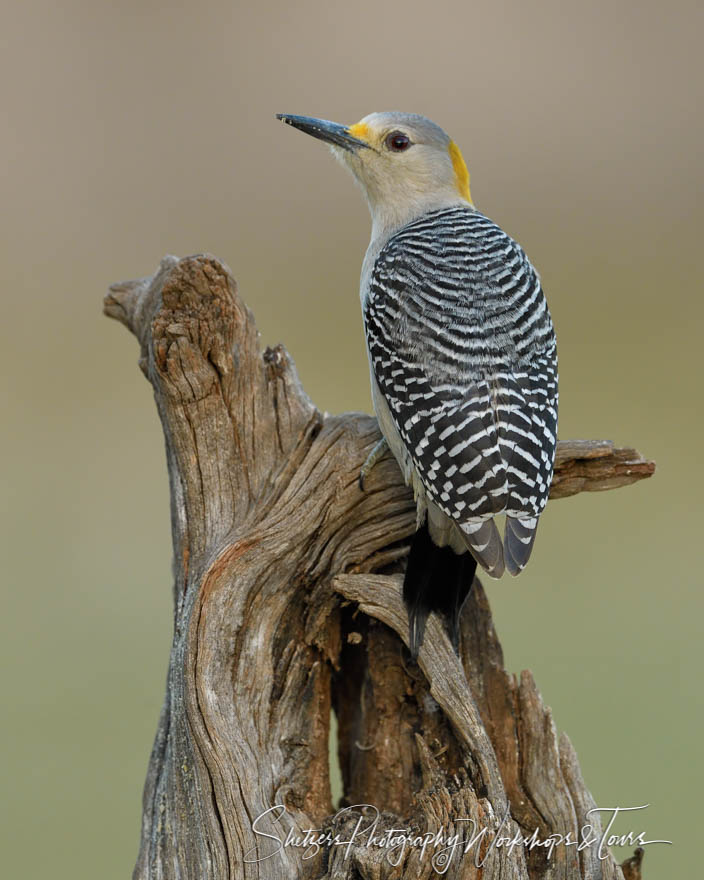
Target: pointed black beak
{"points": [[331, 132]]}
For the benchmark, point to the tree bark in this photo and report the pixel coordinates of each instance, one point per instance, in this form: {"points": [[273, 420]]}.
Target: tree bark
{"points": [[287, 604]]}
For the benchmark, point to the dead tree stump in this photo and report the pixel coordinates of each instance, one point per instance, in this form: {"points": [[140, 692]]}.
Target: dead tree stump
{"points": [[287, 603]]}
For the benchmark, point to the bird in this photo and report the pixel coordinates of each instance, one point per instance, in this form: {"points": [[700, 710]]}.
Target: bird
{"points": [[462, 355]]}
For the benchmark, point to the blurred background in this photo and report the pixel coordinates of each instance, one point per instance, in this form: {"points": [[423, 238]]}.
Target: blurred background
{"points": [[137, 129]]}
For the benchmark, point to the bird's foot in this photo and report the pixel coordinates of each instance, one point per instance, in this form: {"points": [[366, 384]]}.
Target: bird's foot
{"points": [[373, 457]]}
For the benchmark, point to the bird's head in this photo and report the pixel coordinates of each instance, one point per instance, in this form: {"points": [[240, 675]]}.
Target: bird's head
{"points": [[405, 163]]}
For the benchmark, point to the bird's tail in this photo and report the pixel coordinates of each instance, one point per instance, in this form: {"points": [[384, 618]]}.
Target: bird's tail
{"points": [[437, 579], [518, 542], [484, 543]]}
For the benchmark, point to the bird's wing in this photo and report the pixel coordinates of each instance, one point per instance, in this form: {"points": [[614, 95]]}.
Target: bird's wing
{"points": [[462, 348], [528, 438]]}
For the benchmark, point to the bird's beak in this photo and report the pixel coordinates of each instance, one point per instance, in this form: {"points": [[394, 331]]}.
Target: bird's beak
{"points": [[332, 132]]}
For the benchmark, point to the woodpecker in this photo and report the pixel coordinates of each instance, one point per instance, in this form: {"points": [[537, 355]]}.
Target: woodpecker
{"points": [[462, 355]]}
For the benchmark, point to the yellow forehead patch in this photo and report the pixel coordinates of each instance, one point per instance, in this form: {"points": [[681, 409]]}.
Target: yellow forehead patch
{"points": [[360, 130], [461, 173]]}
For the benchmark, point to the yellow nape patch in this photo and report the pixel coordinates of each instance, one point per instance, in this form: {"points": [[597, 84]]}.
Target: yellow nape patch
{"points": [[360, 130], [461, 173]]}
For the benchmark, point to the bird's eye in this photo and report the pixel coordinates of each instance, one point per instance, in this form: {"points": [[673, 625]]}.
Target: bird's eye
{"points": [[398, 141]]}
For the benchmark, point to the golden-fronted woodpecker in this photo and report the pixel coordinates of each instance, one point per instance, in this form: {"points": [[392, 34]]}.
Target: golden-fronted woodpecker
{"points": [[462, 356]]}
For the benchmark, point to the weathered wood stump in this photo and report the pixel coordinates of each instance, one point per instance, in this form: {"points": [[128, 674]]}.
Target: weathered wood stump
{"points": [[287, 603]]}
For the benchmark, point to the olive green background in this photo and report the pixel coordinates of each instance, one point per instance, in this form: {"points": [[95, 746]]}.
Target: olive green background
{"points": [[137, 129]]}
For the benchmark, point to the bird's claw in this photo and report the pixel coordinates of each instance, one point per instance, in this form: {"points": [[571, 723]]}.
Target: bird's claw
{"points": [[373, 457]]}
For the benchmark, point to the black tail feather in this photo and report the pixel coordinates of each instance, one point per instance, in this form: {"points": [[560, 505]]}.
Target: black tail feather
{"points": [[437, 579]]}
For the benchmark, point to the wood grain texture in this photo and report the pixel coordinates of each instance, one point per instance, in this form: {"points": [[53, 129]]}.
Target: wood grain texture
{"points": [[287, 603]]}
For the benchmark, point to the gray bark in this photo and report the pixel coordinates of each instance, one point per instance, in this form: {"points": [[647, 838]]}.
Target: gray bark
{"points": [[287, 603]]}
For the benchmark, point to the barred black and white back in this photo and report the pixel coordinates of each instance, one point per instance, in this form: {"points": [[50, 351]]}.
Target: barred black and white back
{"points": [[463, 351]]}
